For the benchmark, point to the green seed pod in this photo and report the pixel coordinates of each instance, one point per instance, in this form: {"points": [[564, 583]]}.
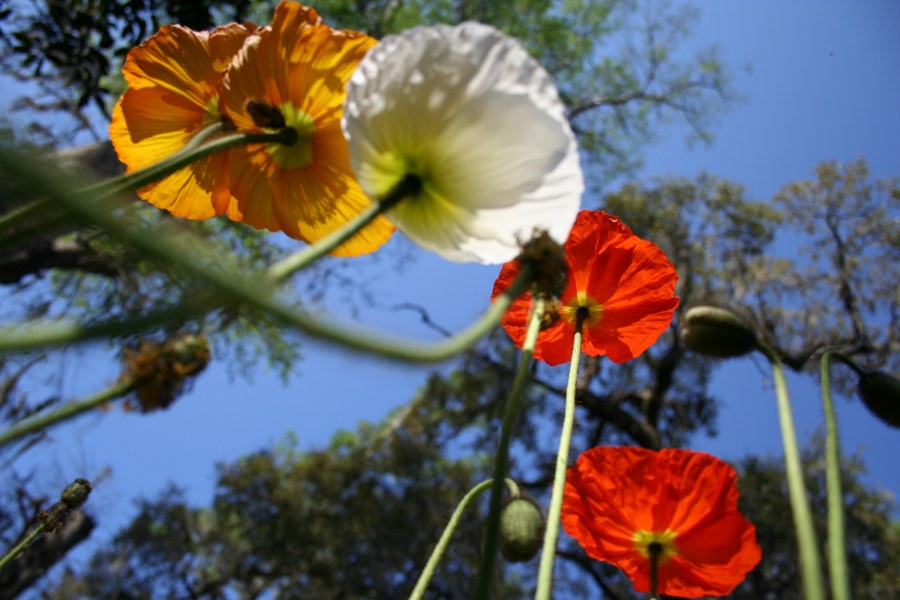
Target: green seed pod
{"points": [[716, 332], [76, 493], [521, 529], [880, 393]]}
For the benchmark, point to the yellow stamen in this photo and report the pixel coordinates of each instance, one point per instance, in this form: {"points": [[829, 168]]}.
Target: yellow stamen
{"points": [[582, 302], [666, 539]]}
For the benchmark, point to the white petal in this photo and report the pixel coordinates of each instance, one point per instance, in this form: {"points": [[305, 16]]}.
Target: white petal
{"points": [[480, 122]]}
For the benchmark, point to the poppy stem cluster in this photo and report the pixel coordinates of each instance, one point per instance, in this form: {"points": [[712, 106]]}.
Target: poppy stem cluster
{"points": [[810, 563]]}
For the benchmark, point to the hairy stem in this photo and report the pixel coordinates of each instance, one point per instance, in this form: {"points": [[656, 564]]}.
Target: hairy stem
{"points": [[501, 458]]}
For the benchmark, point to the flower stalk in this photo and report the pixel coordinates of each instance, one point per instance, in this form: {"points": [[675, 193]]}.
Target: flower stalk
{"points": [[67, 411], [225, 276], [501, 458], [438, 553], [548, 554], [837, 542], [655, 550], [810, 565]]}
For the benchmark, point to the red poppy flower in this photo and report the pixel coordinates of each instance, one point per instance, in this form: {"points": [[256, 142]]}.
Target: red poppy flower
{"points": [[623, 285], [619, 500]]}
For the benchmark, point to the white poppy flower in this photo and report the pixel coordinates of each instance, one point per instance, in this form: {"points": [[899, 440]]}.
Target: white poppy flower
{"points": [[479, 123]]}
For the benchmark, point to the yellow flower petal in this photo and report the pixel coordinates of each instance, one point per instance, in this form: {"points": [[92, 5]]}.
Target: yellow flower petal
{"points": [[172, 95], [307, 190]]}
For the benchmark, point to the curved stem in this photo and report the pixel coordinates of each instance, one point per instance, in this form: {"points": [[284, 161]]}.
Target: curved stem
{"points": [[17, 339], [223, 275], [193, 151], [196, 149], [26, 541], [548, 553], [43, 421], [441, 547], [501, 458], [301, 259], [810, 564], [837, 543]]}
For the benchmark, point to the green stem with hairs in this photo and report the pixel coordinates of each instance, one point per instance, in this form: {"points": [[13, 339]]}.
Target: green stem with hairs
{"points": [[837, 542], [29, 337], [301, 259], [42, 421], [501, 458], [193, 151], [428, 572], [196, 149], [548, 553], [810, 564], [223, 275], [26, 541]]}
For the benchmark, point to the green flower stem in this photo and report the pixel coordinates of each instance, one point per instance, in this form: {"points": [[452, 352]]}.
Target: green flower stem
{"points": [[28, 337], [299, 260], [441, 547], [43, 421], [223, 275], [72, 497], [837, 543], [810, 565], [492, 528], [18, 215], [192, 151], [655, 550], [548, 553], [26, 541]]}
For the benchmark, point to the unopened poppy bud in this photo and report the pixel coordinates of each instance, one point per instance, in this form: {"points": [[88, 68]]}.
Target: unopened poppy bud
{"points": [[521, 529], [880, 393], [76, 493], [716, 332]]}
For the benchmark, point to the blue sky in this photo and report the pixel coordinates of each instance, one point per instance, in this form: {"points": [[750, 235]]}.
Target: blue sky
{"points": [[823, 86]]}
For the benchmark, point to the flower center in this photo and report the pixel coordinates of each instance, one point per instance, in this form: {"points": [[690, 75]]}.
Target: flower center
{"points": [[585, 307], [295, 155], [664, 543]]}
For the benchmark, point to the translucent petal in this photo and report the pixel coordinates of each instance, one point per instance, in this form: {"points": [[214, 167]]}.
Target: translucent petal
{"points": [[480, 123]]}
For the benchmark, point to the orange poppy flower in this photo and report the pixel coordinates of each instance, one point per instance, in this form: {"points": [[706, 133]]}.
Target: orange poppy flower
{"points": [[294, 74], [619, 500], [623, 287], [172, 94]]}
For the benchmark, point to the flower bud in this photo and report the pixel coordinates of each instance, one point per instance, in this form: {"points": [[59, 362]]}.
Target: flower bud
{"points": [[716, 332], [76, 493], [521, 529], [880, 393]]}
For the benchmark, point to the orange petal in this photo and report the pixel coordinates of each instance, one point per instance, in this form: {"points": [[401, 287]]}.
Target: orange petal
{"points": [[299, 63], [613, 492]]}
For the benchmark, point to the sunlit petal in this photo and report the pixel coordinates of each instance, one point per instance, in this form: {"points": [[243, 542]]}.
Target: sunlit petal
{"points": [[466, 111], [626, 284], [299, 67], [616, 496]]}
